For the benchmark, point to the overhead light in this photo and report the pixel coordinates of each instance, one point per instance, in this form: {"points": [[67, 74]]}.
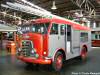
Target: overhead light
{"points": [[80, 14], [4, 12], [14, 14], [53, 6]]}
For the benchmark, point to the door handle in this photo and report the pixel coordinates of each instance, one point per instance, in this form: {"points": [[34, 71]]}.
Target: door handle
{"points": [[58, 37]]}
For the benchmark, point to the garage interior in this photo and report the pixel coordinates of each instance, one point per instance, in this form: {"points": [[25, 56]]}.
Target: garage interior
{"points": [[15, 13], [81, 11]]}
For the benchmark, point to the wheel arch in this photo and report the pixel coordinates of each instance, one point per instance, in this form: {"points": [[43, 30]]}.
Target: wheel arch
{"points": [[85, 47], [59, 50]]}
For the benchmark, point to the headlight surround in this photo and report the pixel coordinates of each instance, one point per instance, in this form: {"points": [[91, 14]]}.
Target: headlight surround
{"points": [[34, 53], [44, 52], [19, 49]]}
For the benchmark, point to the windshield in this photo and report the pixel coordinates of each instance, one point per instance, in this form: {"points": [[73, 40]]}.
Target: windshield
{"points": [[41, 28]]}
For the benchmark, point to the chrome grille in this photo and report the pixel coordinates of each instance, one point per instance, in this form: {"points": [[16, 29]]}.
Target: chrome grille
{"points": [[26, 47]]}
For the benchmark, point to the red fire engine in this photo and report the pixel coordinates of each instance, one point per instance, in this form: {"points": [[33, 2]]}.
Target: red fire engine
{"points": [[51, 41]]}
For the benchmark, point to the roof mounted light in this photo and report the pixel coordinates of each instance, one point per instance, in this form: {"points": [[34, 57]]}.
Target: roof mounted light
{"points": [[54, 6]]}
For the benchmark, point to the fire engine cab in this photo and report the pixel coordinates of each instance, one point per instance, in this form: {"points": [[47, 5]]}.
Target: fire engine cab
{"points": [[51, 41]]}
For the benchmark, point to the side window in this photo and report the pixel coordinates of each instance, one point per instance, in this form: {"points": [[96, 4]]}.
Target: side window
{"points": [[54, 29], [96, 36], [84, 37], [10, 36], [68, 33], [93, 36], [62, 29], [99, 36]]}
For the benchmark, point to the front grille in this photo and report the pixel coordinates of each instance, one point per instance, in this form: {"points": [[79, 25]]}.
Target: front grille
{"points": [[26, 47]]}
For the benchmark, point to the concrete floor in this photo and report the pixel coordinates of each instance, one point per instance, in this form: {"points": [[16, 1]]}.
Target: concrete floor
{"points": [[9, 65]]}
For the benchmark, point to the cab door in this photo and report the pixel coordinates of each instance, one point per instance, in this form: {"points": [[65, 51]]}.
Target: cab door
{"points": [[53, 41], [63, 37]]}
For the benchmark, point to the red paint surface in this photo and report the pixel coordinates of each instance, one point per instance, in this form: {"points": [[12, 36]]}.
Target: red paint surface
{"points": [[37, 40], [45, 44], [69, 22], [36, 61], [96, 43]]}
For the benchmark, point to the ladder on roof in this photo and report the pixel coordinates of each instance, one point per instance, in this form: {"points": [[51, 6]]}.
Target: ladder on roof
{"points": [[30, 8]]}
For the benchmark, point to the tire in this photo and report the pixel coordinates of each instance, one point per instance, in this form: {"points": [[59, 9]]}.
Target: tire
{"points": [[58, 61], [84, 53]]}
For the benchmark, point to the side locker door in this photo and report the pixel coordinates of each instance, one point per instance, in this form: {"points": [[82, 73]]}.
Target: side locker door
{"points": [[63, 36], [76, 41], [54, 42], [69, 39]]}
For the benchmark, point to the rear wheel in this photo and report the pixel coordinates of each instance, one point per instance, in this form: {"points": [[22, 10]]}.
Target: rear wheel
{"points": [[84, 53], [58, 61]]}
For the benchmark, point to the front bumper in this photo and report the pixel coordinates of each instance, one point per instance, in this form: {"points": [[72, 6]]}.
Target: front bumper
{"points": [[34, 60]]}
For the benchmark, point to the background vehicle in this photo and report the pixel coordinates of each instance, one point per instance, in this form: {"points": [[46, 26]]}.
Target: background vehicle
{"points": [[51, 41], [95, 37]]}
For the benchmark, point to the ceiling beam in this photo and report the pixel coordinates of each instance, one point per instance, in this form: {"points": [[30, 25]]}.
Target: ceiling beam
{"points": [[43, 2]]}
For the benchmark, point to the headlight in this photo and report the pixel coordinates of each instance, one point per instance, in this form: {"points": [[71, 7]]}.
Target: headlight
{"points": [[19, 49], [13, 44], [32, 51], [44, 52]]}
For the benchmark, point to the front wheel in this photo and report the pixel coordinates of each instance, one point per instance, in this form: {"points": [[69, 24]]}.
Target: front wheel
{"points": [[58, 61]]}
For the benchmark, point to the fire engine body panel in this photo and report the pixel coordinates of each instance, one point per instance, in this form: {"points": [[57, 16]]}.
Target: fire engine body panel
{"points": [[95, 33], [65, 36]]}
